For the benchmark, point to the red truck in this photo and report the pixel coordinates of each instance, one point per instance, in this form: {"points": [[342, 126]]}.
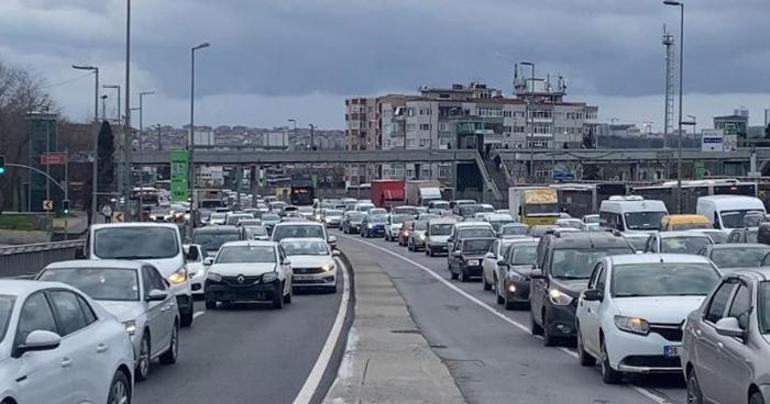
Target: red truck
{"points": [[388, 193]]}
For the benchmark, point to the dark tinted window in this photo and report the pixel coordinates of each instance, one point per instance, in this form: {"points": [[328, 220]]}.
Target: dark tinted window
{"points": [[476, 245], [523, 255], [716, 309], [741, 307], [35, 315], [577, 263]]}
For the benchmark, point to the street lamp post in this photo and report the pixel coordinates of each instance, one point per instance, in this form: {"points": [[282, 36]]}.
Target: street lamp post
{"points": [[95, 169], [681, 80], [141, 151], [115, 87], [191, 141], [530, 121], [104, 107]]}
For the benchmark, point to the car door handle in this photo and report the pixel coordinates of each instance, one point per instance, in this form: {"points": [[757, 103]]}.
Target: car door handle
{"points": [[101, 348], [698, 332], [66, 362], [720, 345]]}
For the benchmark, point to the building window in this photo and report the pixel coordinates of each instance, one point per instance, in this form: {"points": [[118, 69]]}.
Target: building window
{"points": [[443, 172], [507, 114], [410, 127], [443, 127], [506, 129], [410, 112], [425, 126]]}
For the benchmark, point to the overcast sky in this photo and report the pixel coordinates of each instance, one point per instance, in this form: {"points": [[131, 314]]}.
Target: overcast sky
{"points": [[272, 60]]}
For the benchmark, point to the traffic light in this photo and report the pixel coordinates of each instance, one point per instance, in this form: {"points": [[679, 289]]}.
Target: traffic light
{"points": [[2, 165], [65, 204]]}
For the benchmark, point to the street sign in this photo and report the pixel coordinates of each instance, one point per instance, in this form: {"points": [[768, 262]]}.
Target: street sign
{"points": [[47, 205], [118, 217], [179, 183], [53, 159]]}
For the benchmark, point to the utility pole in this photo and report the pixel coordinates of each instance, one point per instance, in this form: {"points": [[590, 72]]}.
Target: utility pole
{"points": [[95, 168], [681, 81], [530, 120], [117, 112], [191, 142], [127, 123], [104, 107]]}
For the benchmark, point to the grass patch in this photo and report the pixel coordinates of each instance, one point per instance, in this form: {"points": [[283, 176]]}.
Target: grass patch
{"points": [[18, 222]]}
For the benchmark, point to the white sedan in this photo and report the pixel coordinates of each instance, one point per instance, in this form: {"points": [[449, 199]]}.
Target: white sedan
{"points": [[312, 262], [59, 347], [631, 316], [195, 255]]}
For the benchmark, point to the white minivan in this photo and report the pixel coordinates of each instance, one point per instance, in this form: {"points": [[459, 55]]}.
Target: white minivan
{"points": [[632, 213], [726, 212], [159, 244]]}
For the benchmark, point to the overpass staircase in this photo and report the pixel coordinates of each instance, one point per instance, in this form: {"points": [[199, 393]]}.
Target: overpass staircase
{"points": [[490, 175]]}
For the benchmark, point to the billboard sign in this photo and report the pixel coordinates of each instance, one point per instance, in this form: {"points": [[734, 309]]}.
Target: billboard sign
{"points": [[179, 167]]}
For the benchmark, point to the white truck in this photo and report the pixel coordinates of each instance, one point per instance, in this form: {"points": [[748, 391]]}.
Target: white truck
{"points": [[421, 192]]}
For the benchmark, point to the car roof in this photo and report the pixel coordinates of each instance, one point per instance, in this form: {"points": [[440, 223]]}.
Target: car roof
{"points": [[108, 263], [473, 224], [589, 240], [134, 224], [22, 287], [656, 258], [521, 240], [217, 229], [756, 273], [515, 225], [249, 243], [478, 238], [303, 222], [498, 216], [442, 220], [684, 233]]}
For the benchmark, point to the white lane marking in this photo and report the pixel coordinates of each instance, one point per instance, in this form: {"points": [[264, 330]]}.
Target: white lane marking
{"points": [[198, 314], [316, 374], [645, 392]]}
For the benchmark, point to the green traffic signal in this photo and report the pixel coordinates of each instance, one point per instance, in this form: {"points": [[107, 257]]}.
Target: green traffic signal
{"points": [[65, 207], [2, 165]]}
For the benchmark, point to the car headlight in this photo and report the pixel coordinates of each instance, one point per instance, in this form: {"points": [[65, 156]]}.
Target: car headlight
{"points": [[422, 237], [178, 277], [327, 267], [559, 298], [406, 233], [269, 277], [370, 225], [130, 327], [512, 288], [634, 325], [472, 262], [214, 277]]}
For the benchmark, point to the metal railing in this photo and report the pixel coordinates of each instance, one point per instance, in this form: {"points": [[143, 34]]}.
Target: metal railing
{"points": [[24, 261]]}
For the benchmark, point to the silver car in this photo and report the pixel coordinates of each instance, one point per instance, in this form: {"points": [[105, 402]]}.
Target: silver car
{"points": [[135, 293], [725, 352]]}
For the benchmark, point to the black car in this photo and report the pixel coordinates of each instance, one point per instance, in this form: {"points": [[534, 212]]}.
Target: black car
{"points": [[513, 278], [373, 225], [351, 222], [561, 274], [465, 260], [212, 237]]}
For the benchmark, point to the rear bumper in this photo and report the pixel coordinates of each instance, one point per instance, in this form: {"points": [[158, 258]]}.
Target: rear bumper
{"points": [[224, 293]]}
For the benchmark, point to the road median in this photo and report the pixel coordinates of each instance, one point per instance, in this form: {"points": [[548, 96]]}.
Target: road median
{"points": [[387, 359]]}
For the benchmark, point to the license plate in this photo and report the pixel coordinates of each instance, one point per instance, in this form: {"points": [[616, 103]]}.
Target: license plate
{"points": [[672, 351], [302, 278]]}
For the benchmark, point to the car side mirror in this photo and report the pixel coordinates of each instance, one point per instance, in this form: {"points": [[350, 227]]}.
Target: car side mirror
{"points": [[286, 261], [156, 295], [80, 254], [729, 327], [336, 253], [537, 273], [457, 252], [502, 263], [489, 255], [333, 240], [593, 295], [39, 340], [208, 261]]}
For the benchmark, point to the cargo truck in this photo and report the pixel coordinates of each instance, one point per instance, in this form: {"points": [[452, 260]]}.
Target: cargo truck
{"points": [[421, 192], [534, 205], [388, 193]]}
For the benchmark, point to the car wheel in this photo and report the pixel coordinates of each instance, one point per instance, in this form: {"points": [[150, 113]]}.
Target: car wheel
{"points": [[533, 327], [211, 305], [756, 398], [169, 357], [278, 296], [463, 276], [500, 299], [487, 286], [143, 361], [694, 394], [452, 273], [609, 375], [120, 389], [187, 315], [548, 339], [584, 357], [409, 246]]}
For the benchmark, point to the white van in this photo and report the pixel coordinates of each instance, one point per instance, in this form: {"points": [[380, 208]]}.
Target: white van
{"points": [[158, 244], [632, 213], [726, 212]]}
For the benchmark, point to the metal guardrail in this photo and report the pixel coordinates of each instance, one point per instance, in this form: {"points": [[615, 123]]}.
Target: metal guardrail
{"points": [[24, 261]]}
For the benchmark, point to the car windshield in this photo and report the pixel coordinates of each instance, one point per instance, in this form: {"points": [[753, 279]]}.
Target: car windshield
{"points": [[443, 229], [541, 208], [212, 241], [514, 230], [355, 216], [257, 230], [475, 232], [398, 219], [421, 225], [571, 224], [305, 209], [112, 284], [763, 301], [497, 224], [684, 244], [738, 256], [298, 231], [734, 218], [637, 242], [644, 220], [439, 205], [6, 309], [718, 236], [234, 254], [485, 209], [577, 263], [235, 219], [523, 255], [477, 246], [467, 210], [377, 218], [136, 242], [691, 226], [305, 247], [217, 215], [406, 210], [663, 279], [333, 212], [270, 217]]}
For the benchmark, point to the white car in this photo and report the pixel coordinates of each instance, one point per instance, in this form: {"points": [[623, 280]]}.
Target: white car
{"points": [[136, 294], [393, 224], [57, 346], [249, 271], [631, 316], [677, 242], [497, 252], [197, 271], [158, 244], [217, 218], [312, 263]]}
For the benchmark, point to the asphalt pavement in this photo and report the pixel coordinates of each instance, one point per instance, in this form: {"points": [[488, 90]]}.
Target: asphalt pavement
{"points": [[247, 353], [489, 351]]}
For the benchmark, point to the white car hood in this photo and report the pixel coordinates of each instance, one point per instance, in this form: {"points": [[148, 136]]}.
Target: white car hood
{"points": [[309, 261], [661, 309], [242, 268], [439, 239], [124, 311]]}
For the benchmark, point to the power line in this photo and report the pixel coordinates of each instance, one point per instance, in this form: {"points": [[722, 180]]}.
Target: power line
{"points": [[61, 83]]}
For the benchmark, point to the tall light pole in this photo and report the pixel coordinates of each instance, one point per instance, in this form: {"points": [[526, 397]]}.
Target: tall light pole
{"points": [[694, 124], [115, 87], [104, 106], [681, 80], [294, 132], [95, 169], [191, 142], [530, 122], [141, 151], [126, 176], [312, 137]]}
